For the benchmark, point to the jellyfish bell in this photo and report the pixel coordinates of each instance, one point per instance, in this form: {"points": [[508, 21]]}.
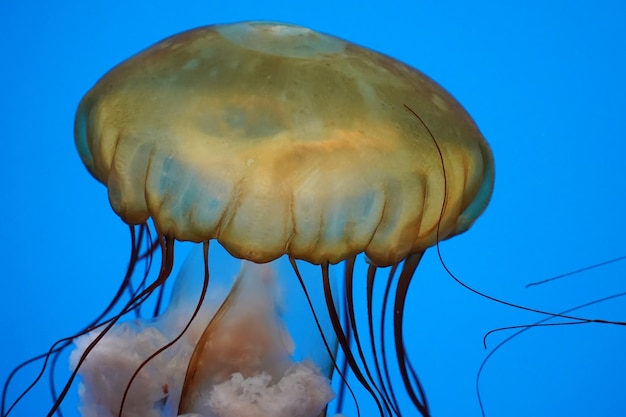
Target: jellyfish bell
{"points": [[278, 141], [274, 139]]}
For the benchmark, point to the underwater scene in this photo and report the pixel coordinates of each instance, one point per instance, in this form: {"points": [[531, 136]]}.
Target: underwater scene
{"points": [[322, 209]]}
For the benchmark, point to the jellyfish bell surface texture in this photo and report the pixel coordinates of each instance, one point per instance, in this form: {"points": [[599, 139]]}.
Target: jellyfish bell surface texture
{"points": [[277, 142], [274, 139]]}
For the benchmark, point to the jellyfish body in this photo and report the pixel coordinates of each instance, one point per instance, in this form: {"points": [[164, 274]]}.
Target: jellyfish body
{"points": [[277, 140], [274, 139]]}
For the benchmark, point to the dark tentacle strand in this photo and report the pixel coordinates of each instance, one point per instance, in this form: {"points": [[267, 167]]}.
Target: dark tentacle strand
{"points": [[51, 357], [340, 371], [375, 376], [349, 281], [383, 335], [167, 261], [343, 341], [386, 389], [344, 361], [205, 285], [418, 398]]}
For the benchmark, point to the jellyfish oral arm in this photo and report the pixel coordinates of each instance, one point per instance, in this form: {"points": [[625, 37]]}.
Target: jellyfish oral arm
{"points": [[241, 366]]}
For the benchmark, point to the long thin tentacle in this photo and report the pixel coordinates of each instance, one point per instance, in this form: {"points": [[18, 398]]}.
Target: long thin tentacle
{"points": [[344, 362], [408, 269], [60, 345], [205, 285], [321, 332], [371, 275], [343, 341], [349, 281], [167, 246], [383, 335]]}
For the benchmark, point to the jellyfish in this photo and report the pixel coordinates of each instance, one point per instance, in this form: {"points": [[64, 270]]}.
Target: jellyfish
{"points": [[273, 142]]}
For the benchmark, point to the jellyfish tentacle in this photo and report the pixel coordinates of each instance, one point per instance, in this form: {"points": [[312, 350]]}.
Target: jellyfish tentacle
{"points": [[524, 328], [137, 239], [205, 285], [344, 360], [159, 300], [383, 338], [167, 262], [55, 351], [148, 256], [576, 271], [349, 280], [340, 372], [438, 236], [371, 275], [135, 244], [343, 341], [408, 269]]}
